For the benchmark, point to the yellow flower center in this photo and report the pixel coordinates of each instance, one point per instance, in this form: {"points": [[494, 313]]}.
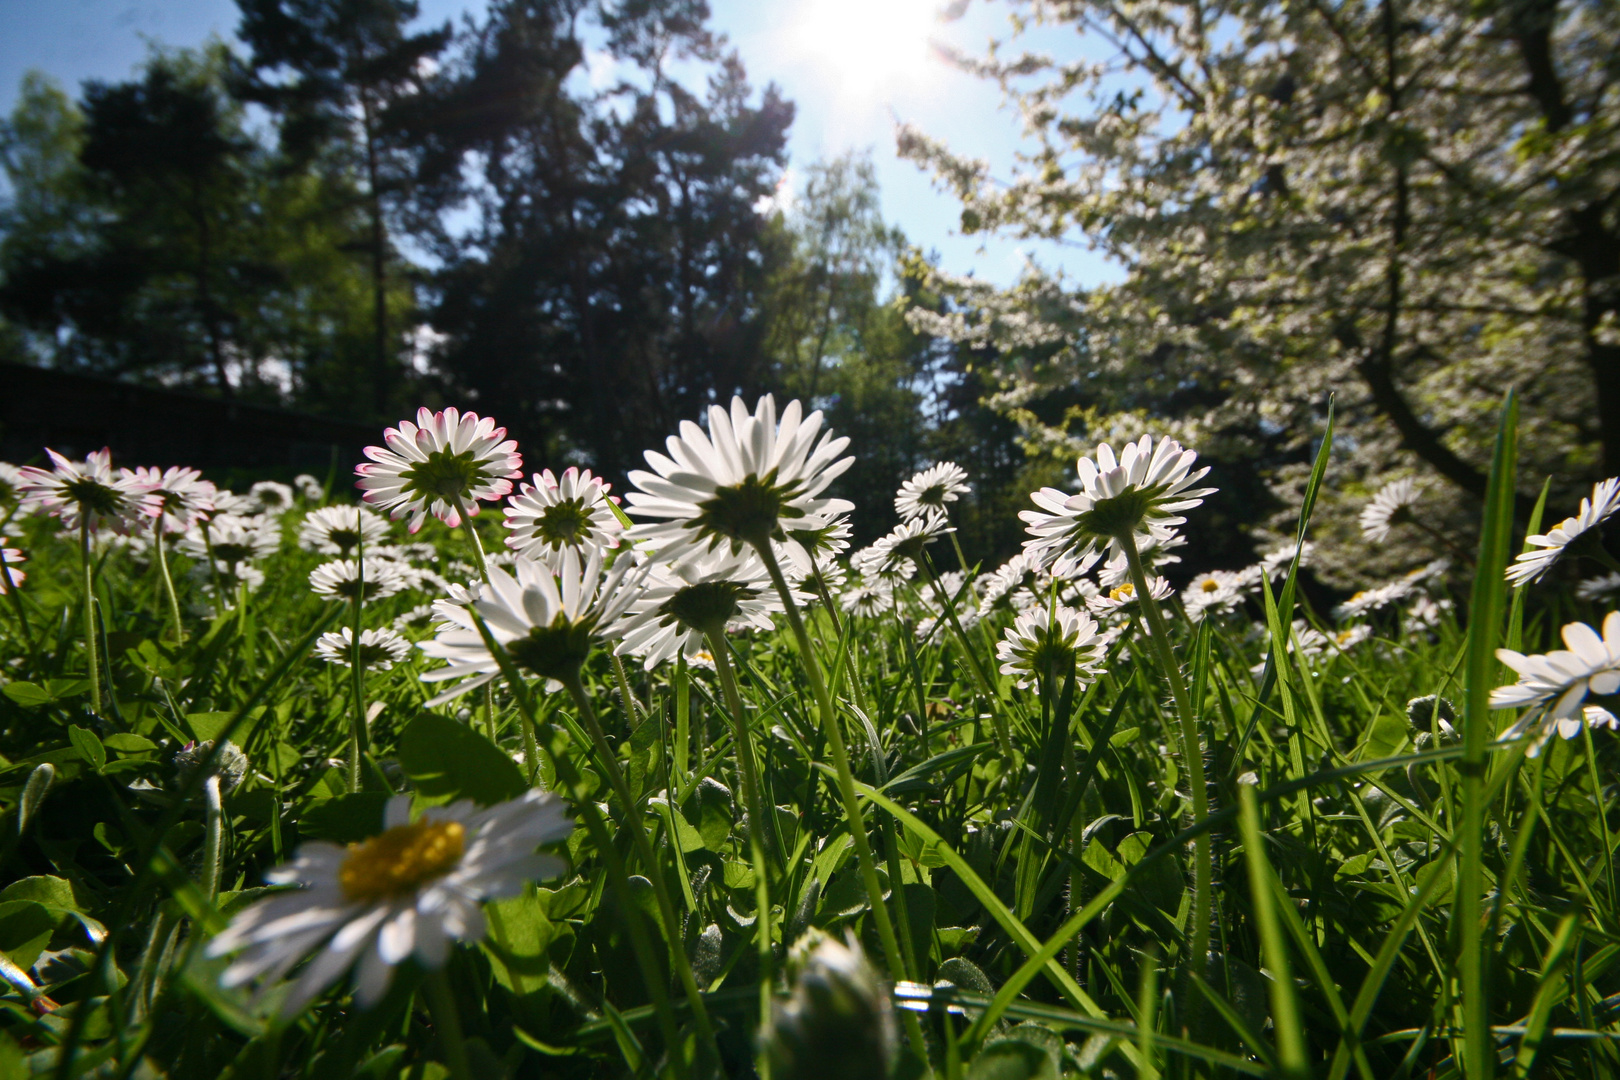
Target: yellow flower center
{"points": [[1358, 596], [401, 859], [1209, 585], [1344, 635], [1124, 592]]}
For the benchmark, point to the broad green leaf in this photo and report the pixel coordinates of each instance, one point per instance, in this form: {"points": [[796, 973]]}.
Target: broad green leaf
{"points": [[447, 760], [89, 748]]}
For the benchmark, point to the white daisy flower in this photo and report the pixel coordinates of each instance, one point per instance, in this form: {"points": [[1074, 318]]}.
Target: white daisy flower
{"points": [[338, 530], [441, 465], [234, 539], [230, 576], [229, 502], [342, 579], [379, 649], [1368, 601], [1351, 636], [1430, 571], [744, 481], [1216, 591], [905, 542], [1599, 587], [825, 542], [868, 598], [1275, 563], [1059, 637], [309, 488], [1105, 603], [1390, 507], [553, 513], [1140, 495], [409, 891], [1578, 531], [547, 620], [183, 495], [874, 563], [10, 576], [1553, 685], [420, 617], [811, 576], [1426, 612], [272, 498], [10, 478], [86, 489], [686, 600], [1014, 574], [930, 490]]}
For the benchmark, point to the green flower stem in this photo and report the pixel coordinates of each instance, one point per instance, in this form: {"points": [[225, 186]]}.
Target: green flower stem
{"points": [[569, 779], [472, 533], [90, 649], [1192, 753], [357, 671], [168, 581], [997, 717], [846, 787], [961, 560], [632, 704], [850, 679], [441, 1002], [644, 849], [757, 830]]}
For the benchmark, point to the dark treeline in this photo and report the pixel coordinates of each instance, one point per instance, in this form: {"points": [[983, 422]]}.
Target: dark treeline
{"points": [[562, 213]]}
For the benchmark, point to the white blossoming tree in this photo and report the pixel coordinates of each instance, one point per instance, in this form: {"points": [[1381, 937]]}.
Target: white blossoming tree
{"points": [[1409, 204]]}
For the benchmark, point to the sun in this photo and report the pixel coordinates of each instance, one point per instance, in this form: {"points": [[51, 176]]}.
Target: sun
{"points": [[869, 48]]}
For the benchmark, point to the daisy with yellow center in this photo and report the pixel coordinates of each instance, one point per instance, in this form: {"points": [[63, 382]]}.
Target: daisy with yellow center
{"points": [[410, 891]]}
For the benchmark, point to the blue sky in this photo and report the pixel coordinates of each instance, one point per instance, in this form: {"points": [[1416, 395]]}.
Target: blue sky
{"points": [[852, 67]]}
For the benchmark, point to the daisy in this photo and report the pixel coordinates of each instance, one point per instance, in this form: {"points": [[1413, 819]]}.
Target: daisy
{"points": [[1553, 685], [272, 498], [1014, 574], [824, 542], [1368, 601], [930, 490], [442, 464], [1599, 587], [1426, 612], [1577, 533], [418, 618], [10, 576], [905, 542], [1042, 640], [812, 575], [1213, 591], [233, 539], [86, 491], [869, 598], [379, 649], [1351, 636], [1275, 563], [1139, 495], [547, 620], [338, 530], [1125, 593], [407, 892], [873, 562], [10, 478], [342, 579], [713, 592], [311, 489], [1390, 507], [570, 511], [743, 481], [229, 502], [184, 497]]}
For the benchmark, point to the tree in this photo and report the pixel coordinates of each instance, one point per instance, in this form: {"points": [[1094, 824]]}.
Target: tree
{"points": [[1409, 203], [607, 285], [148, 236], [337, 72]]}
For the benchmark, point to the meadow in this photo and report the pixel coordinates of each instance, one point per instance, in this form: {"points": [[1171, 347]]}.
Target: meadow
{"points": [[297, 786]]}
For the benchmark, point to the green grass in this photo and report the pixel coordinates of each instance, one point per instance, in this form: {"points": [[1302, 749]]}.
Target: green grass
{"points": [[1386, 901]]}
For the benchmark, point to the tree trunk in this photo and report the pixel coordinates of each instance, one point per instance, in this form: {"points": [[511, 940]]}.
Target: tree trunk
{"points": [[381, 363]]}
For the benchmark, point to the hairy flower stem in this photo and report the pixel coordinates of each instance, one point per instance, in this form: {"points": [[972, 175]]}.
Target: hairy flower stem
{"points": [[757, 830], [644, 849], [441, 1003], [472, 534], [213, 838], [357, 673], [632, 704], [90, 649], [1192, 753], [168, 581], [896, 959]]}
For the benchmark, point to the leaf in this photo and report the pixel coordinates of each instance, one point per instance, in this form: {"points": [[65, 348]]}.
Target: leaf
{"points": [[712, 805], [53, 892], [206, 725], [1013, 1059], [126, 743], [89, 748], [25, 929], [447, 760], [519, 935], [346, 819], [27, 694]]}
